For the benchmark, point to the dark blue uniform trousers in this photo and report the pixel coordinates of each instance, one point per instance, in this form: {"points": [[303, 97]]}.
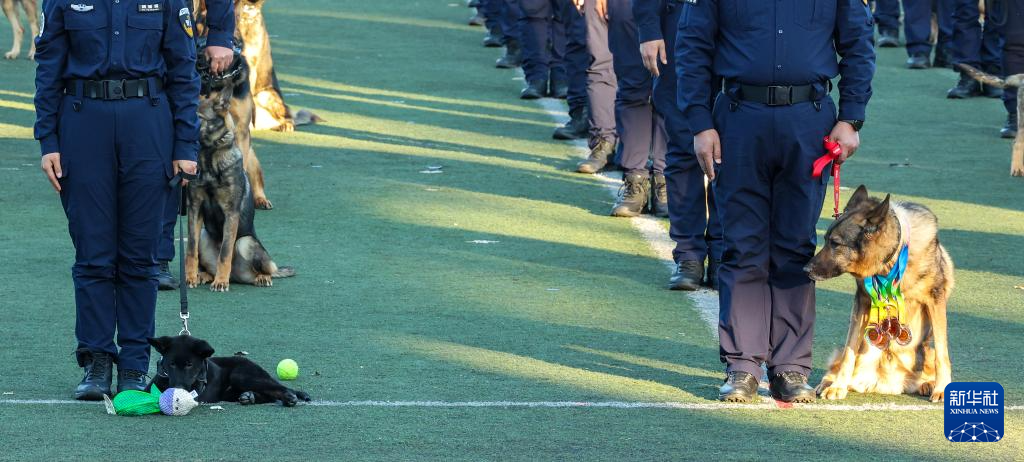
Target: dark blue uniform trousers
{"points": [[491, 9], [117, 164], [601, 82], [576, 56], [917, 22], [769, 205], [1013, 50], [509, 20], [973, 45], [543, 38], [694, 224], [641, 130]]}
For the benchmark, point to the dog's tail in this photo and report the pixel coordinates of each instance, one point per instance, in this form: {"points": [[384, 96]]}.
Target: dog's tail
{"points": [[283, 272], [991, 80], [305, 117]]}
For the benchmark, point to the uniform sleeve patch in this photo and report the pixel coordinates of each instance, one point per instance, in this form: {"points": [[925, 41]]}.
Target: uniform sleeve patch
{"points": [[151, 7], [185, 17]]}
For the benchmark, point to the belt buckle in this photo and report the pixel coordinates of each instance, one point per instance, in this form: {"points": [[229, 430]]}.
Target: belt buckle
{"points": [[780, 96], [115, 89]]}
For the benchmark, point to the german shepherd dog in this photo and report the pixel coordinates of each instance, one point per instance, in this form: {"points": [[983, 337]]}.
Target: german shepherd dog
{"points": [[865, 242], [243, 111], [187, 363], [1013, 81], [32, 12], [271, 111], [222, 238]]}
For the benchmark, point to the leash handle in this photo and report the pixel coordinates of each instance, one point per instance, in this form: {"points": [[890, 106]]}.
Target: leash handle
{"points": [[182, 189], [833, 152]]}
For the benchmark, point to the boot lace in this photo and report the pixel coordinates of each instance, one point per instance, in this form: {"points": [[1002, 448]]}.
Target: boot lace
{"points": [[98, 369]]}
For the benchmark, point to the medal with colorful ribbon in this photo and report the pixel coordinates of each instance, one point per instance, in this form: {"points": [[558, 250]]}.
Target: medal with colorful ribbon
{"points": [[888, 309]]}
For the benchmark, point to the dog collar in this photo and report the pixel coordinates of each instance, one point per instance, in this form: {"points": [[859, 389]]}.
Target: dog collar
{"points": [[890, 261]]}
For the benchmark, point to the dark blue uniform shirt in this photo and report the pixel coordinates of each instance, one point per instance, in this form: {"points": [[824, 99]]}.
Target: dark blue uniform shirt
{"points": [[647, 14], [774, 42], [220, 20], [118, 39]]}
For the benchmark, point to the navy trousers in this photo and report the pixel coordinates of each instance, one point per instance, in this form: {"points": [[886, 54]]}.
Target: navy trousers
{"points": [[641, 130], [508, 20], [944, 10], [576, 56], [543, 39], [917, 22], [769, 205], [117, 157], [601, 82], [972, 44], [1013, 50], [694, 224], [492, 11]]}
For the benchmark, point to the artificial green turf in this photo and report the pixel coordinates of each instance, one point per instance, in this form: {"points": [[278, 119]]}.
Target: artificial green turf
{"points": [[393, 303]]}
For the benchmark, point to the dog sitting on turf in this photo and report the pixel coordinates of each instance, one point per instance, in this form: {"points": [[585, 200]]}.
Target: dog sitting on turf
{"points": [[223, 246], [1013, 81], [187, 363], [31, 11], [866, 241]]}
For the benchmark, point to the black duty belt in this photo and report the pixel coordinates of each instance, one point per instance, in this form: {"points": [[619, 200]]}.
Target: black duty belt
{"points": [[112, 89], [777, 95]]}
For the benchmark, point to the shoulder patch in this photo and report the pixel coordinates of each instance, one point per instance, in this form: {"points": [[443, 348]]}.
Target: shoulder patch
{"points": [[185, 17]]}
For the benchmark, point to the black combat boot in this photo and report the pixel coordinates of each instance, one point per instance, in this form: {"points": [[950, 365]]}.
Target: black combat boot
{"points": [[130, 379], [739, 387], [98, 368], [534, 90], [918, 61], [791, 387], [477, 19], [888, 38], [559, 89], [659, 195], [513, 57], [577, 127], [598, 157], [1009, 130], [687, 275], [494, 38], [942, 58], [165, 278], [711, 278], [966, 87], [633, 195]]}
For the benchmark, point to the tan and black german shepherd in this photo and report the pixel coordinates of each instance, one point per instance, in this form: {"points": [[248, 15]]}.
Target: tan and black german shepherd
{"points": [[864, 242], [243, 111], [32, 12], [1013, 81], [223, 246]]}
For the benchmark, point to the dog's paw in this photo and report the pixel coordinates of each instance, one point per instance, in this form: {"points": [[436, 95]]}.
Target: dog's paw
{"points": [[11, 55], [286, 127], [263, 280], [220, 286], [247, 398], [822, 386], [1017, 170], [290, 400], [31, 56], [205, 278], [263, 203], [937, 396], [925, 389], [834, 393]]}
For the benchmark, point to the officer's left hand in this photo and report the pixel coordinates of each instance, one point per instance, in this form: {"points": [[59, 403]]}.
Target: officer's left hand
{"points": [[653, 52], [848, 139], [186, 166], [220, 58]]}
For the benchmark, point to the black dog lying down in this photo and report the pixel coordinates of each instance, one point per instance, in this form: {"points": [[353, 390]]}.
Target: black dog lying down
{"points": [[187, 364]]}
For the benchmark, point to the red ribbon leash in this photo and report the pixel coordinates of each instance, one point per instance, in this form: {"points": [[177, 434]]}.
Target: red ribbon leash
{"points": [[833, 152]]}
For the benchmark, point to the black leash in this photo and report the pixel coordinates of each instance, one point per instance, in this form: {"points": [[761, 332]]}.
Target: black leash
{"points": [[176, 183]]}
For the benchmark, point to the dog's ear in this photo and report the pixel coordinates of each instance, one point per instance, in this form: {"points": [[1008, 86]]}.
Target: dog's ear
{"points": [[160, 344], [877, 215], [858, 197], [202, 349]]}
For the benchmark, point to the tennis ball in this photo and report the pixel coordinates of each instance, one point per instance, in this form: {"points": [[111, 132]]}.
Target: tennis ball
{"points": [[287, 369]]}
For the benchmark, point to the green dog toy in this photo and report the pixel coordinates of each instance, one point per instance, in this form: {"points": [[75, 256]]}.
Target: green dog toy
{"points": [[172, 401]]}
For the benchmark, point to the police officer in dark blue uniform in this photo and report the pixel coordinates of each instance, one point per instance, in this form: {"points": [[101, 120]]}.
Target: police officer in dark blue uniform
{"points": [[692, 216], [543, 40], [757, 144], [917, 26], [116, 98], [977, 45], [220, 31], [577, 60]]}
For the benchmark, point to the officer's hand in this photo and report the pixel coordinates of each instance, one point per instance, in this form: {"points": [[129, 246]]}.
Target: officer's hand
{"points": [[601, 6], [51, 166], [579, 5], [220, 59], [709, 151], [653, 52], [848, 139], [186, 166]]}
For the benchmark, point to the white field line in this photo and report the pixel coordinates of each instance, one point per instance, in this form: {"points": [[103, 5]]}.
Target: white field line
{"points": [[766, 403]]}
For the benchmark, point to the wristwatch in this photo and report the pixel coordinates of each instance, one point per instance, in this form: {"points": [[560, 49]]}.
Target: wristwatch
{"points": [[857, 124]]}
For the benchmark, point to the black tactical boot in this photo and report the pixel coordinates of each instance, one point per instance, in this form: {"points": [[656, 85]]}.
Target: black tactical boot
{"points": [[1009, 130], [659, 195], [130, 379], [966, 87], [739, 387], [942, 58], [477, 19], [918, 61], [577, 127], [636, 188], [687, 276], [598, 158], [494, 38], [559, 89], [165, 278], [513, 57], [888, 39], [711, 278], [534, 90], [98, 368], [791, 387]]}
